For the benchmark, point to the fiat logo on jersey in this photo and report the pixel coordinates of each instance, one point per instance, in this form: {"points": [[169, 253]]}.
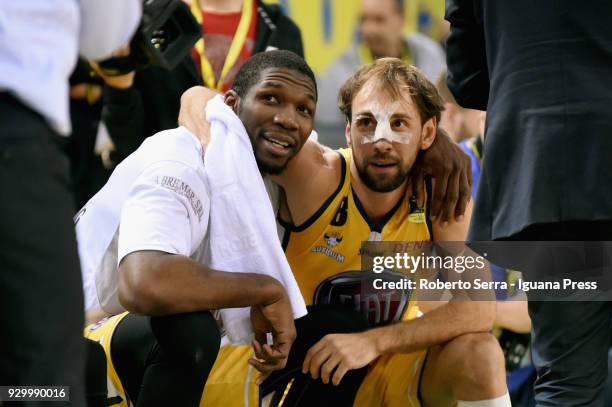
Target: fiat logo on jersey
{"points": [[354, 289]]}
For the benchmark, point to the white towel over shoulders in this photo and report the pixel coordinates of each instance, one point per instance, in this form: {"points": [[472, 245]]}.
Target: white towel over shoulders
{"points": [[243, 234]]}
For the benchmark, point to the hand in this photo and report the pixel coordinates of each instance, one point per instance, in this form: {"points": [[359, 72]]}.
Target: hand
{"points": [[342, 352], [193, 112], [452, 170], [275, 317], [120, 81], [86, 91]]}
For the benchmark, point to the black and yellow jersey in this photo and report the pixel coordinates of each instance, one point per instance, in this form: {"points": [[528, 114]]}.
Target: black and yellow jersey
{"points": [[329, 242]]}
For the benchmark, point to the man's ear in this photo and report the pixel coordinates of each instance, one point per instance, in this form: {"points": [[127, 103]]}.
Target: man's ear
{"points": [[428, 133], [347, 134], [232, 99]]}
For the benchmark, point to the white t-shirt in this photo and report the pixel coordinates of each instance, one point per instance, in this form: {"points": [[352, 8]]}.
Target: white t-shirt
{"points": [[156, 199]]}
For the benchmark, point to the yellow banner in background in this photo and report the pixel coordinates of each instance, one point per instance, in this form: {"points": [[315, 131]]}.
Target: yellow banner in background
{"points": [[329, 27]]}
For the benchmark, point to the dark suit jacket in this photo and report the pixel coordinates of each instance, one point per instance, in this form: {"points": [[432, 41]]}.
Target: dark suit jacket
{"points": [[153, 103], [543, 71]]}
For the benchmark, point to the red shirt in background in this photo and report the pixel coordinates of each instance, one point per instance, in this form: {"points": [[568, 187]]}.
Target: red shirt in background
{"points": [[219, 29]]}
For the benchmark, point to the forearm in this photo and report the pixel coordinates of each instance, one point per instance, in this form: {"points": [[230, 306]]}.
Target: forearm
{"points": [[170, 284], [436, 327], [513, 315]]}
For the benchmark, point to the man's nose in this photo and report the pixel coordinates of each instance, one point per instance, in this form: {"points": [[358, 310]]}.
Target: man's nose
{"points": [[286, 118], [383, 145]]}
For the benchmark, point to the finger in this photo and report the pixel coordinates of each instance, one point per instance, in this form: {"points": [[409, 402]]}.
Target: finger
{"points": [[418, 186], [468, 165], [260, 337], [328, 367], [317, 361], [339, 373], [257, 349], [309, 355], [267, 366], [452, 194], [283, 342], [272, 354], [262, 366], [439, 194], [465, 194]]}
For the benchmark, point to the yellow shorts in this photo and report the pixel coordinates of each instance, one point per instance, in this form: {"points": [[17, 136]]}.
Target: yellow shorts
{"points": [[391, 381], [231, 382]]}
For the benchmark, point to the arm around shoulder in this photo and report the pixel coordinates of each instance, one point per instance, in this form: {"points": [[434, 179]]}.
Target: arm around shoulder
{"points": [[309, 179]]}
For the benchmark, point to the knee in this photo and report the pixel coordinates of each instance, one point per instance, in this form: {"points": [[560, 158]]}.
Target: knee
{"points": [[479, 361], [191, 339], [207, 341]]}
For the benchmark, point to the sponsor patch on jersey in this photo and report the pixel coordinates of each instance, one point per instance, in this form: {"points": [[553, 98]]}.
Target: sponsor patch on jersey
{"points": [[418, 217], [355, 289], [332, 239]]}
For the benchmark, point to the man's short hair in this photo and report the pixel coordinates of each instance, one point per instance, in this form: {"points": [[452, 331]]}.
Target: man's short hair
{"points": [[397, 77], [250, 72]]}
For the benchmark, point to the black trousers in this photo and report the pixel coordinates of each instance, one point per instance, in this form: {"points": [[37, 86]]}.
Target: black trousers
{"points": [[41, 293], [321, 320], [570, 340], [165, 361]]}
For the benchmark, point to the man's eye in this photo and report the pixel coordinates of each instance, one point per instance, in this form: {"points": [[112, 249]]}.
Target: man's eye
{"points": [[304, 110], [270, 98], [397, 123], [365, 122]]}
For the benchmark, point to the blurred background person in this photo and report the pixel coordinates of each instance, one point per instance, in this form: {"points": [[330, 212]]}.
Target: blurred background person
{"points": [[89, 138], [545, 84], [39, 44], [460, 123], [139, 105], [381, 34]]}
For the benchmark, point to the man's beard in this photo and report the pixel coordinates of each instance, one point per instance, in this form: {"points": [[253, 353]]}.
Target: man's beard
{"points": [[271, 169], [386, 184]]}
